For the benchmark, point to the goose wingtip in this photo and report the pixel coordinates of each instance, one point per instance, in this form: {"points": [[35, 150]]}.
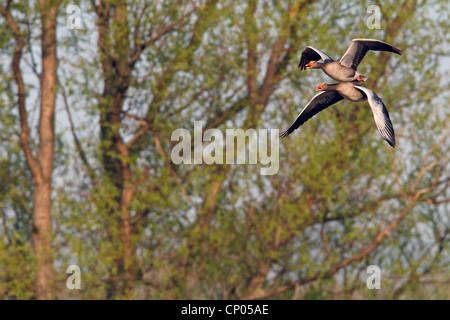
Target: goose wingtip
{"points": [[284, 134], [391, 143]]}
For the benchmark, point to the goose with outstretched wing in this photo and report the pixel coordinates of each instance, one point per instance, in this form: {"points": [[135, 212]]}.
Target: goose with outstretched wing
{"points": [[345, 68], [333, 93]]}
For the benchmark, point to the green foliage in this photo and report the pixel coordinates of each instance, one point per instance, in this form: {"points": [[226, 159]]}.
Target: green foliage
{"points": [[225, 231]]}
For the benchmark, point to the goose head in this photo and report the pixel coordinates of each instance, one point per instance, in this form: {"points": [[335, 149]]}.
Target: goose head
{"points": [[313, 65], [322, 87]]}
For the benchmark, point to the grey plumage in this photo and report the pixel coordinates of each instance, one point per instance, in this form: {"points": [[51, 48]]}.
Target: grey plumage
{"points": [[380, 115], [333, 93], [345, 68]]}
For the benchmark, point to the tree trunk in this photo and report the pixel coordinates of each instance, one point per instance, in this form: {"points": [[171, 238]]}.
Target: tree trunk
{"points": [[42, 222], [115, 153], [42, 240]]}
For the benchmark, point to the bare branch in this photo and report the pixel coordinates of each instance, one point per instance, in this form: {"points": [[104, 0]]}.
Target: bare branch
{"points": [[78, 145], [163, 31], [23, 114], [172, 171]]}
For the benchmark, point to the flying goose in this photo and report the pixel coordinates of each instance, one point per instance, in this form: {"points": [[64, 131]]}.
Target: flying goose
{"points": [[344, 69], [333, 93]]}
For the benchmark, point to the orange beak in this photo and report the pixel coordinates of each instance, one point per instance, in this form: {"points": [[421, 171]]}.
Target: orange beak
{"points": [[319, 87], [309, 65]]}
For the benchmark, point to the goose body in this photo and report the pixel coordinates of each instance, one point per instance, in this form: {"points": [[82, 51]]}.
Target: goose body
{"points": [[333, 93], [344, 69], [347, 90], [340, 73]]}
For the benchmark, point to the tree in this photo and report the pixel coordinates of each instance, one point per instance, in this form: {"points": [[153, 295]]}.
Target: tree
{"points": [[40, 161]]}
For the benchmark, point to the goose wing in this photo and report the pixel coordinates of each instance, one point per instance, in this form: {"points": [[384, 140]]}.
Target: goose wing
{"points": [[319, 102], [312, 54], [381, 115], [358, 49]]}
